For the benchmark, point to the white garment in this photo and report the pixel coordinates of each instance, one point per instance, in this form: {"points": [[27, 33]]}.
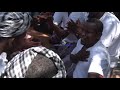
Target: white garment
{"points": [[77, 48], [60, 18], [98, 61], [3, 61], [111, 36], [71, 38], [82, 16]]}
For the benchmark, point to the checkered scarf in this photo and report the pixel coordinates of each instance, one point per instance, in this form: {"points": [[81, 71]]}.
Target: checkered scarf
{"points": [[14, 23], [18, 66]]}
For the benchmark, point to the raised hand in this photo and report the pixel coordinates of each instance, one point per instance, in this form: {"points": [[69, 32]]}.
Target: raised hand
{"points": [[25, 42], [71, 26]]}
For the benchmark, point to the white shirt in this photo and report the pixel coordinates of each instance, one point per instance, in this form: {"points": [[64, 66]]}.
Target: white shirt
{"points": [[82, 16], [98, 61], [3, 61], [71, 38], [111, 36], [60, 18]]}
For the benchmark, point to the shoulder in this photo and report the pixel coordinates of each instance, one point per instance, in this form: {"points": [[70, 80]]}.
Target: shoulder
{"points": [[99, 50], [109, 18], [22, 61]]}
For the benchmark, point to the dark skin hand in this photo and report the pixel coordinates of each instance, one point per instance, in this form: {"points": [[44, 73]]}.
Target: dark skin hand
{"points": [[94, 75], [82, 55], [75, 27], [60, 33], [72, 26], [48, 18], [43, 17]]}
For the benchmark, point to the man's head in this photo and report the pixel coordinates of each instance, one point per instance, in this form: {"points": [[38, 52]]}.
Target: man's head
{"points": [[35, 62], [97, 15], [13, 24], [91, 32], [41, 67]]}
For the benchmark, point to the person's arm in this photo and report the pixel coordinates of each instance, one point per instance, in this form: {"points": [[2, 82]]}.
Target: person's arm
{"points": [[24, 42], [60, 33], [110, 32], [99, 66], [82, 55], [94, 75]]}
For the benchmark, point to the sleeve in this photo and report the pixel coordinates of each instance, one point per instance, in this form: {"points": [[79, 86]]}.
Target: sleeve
{"points": [[65, 18], [110, 32], [77, 48], [99, 64], [95, 65], [57, 18]]}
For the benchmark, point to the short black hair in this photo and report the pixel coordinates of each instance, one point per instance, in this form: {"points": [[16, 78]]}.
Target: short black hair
{"points": [[98, 23], [41, 67]]}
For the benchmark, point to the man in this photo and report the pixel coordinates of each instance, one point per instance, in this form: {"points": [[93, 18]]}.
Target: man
{"points": [[91, 57], [12, 24], [35, 62], [111, 34]]}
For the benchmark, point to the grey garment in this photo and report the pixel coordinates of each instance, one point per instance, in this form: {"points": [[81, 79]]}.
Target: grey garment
{"points": [[41, 67], [66, 49], [69, 66], [14, 23]]}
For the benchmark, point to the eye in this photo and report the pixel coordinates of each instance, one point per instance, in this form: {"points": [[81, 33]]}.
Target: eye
{"points": [[10, 18]]}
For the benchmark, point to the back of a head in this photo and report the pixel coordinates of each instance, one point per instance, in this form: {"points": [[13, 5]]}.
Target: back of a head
{"points": [[13, 24], [35, 62], [41, 67]]}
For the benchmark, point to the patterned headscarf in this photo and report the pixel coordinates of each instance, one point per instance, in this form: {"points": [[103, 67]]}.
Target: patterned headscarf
{"points": [[19, 64], [14, 23]]}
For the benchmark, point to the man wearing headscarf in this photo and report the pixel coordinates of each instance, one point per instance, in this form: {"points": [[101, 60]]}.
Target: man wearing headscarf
{"points": [[14, 25]]}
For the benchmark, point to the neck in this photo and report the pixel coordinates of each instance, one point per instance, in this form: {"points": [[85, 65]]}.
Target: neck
{"points": [[2, 47], [5, 45], [92, 44]]}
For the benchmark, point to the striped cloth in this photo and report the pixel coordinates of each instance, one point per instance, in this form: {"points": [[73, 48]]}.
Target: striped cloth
{"points": [[18, 66], [14, 23]]}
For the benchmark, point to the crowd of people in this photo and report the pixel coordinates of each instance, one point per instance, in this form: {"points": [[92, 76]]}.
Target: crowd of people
{"points": [[59, 44]]}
